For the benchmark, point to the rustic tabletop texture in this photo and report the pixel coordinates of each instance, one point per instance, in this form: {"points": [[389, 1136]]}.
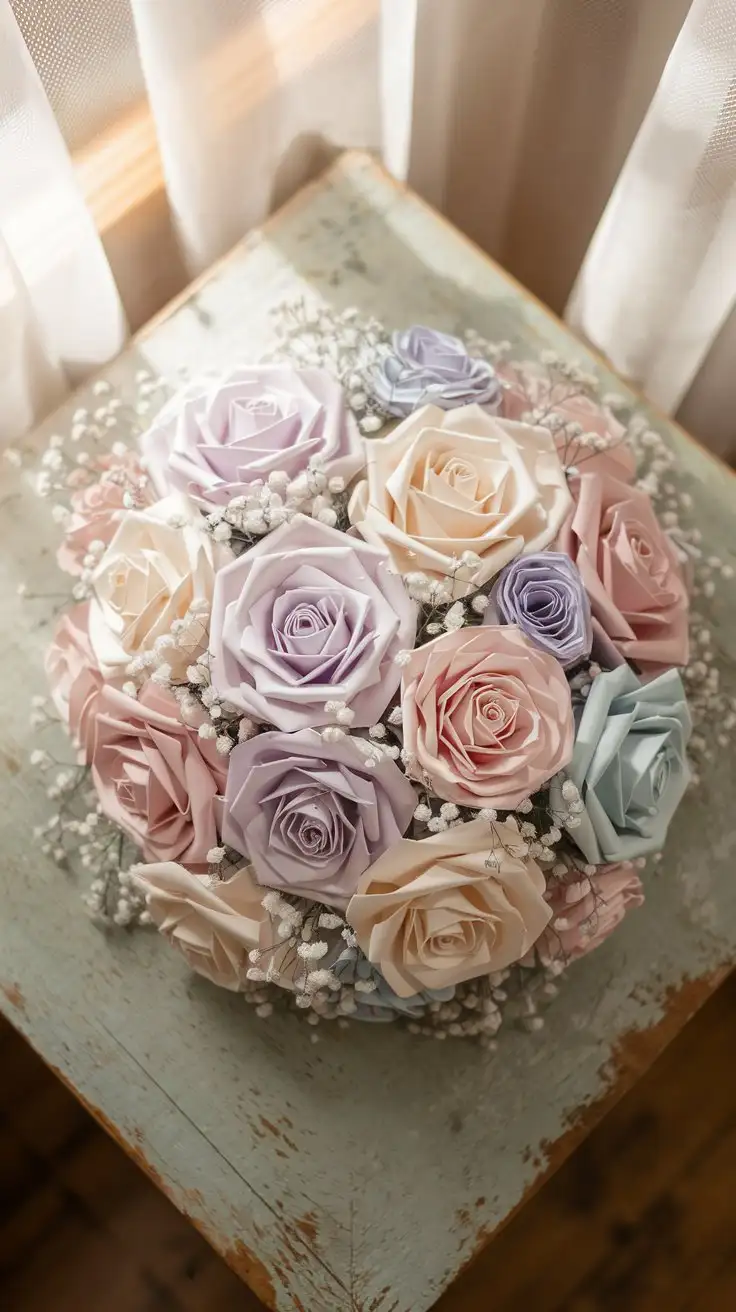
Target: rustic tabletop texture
{"points": [[363, 1171]]}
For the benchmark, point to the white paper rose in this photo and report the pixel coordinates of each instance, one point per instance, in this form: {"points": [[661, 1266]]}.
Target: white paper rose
{"points": [[446, 483], [159, 567]]}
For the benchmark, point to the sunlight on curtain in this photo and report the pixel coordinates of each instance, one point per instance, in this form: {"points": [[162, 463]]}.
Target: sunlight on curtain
{"points": [[250, 98]]}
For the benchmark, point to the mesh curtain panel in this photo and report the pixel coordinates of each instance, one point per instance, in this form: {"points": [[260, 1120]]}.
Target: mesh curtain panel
{"points": [[535, 126]]}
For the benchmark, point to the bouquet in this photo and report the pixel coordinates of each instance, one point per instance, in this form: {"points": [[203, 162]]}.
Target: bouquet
{"points": [[373, 670]]}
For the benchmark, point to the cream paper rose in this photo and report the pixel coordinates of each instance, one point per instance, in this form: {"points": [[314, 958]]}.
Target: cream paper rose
{"points": [[444, 483], [214, 925], [159, 568], [462, 903]]}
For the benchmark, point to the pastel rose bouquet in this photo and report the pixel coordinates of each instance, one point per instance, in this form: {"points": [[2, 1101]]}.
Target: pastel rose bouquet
{"points": [[373, 672]]}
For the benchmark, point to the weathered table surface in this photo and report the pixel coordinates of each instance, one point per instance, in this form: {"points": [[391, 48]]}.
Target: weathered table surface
{"points": [[364, 1171]]}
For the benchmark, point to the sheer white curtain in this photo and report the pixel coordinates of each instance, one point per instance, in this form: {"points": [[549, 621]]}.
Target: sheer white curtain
{"points": [[59, 309], [659, 279], [249, 97], [516, 119]]}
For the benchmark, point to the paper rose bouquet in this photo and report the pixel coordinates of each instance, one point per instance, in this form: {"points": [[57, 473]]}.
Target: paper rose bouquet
{"points": [[373, 673]]}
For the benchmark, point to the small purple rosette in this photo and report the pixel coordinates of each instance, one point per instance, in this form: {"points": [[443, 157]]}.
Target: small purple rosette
{"points": [[543, 595], [426, 367], [312, 816]]}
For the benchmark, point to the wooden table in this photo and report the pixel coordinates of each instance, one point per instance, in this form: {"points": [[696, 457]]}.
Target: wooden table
{"points": [[364, 1171]]}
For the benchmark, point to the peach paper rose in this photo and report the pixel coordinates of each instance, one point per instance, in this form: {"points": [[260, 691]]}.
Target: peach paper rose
{"points": [[159, 564], [529, 390], [74, 678], [487, 716], [433, 913], [155, 777], [631, 573], [587, 909], [444, 483], [214, 925]]}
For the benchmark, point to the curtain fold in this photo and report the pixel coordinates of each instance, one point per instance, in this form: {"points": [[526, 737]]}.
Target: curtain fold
{"points": [[659, 279], [543, 129], [250, 98], [60, 314]]}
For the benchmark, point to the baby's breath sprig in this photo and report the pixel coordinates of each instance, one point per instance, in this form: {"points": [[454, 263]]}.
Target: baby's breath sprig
{"points": [[445, 605], [266, 505], [70, 459], [349, 345], [78, 835]]}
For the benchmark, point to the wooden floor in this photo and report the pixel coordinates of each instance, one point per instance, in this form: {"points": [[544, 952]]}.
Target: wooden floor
{"points": [[641, 1219]]}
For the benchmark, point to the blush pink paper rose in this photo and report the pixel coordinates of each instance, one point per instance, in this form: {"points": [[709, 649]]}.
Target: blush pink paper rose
{"points": [[447, 483], [631, 573], [309, 616], [74, 677], [98, 507], [487, 716], [433, 913], [219, 438], [215, 925], [560, 405], [155, 778], [587, 909]]}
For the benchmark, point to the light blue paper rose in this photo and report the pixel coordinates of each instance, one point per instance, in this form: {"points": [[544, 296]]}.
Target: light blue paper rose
{"points": [[628, 763], [426, 367], [382, 1004]]}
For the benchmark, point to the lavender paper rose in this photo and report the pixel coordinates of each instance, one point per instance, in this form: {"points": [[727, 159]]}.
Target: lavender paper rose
{"points": [[217, 440], [425, 366], [544, 595], [311, 816], [308, 616]]}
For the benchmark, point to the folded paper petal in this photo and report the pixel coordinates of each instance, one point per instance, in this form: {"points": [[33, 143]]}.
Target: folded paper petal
{"points": [[159, 565], [155, 777], [98, 506], [587, 435], [586, 909], [312, 816], [630, 571], [215, 925], [306, 616], [629, 764], [217, 439], [74, 678], [433, 913], [424, 367], [544, 596], [487, 716], [443, 484]]}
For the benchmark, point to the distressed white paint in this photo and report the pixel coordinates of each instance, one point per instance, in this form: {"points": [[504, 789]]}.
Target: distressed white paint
{"points": [[384, 1143]]}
